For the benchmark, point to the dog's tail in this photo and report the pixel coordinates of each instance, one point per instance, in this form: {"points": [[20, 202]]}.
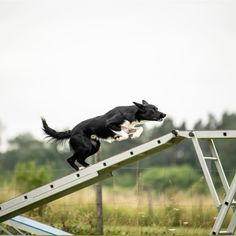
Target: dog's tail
{"points": [[53, 134]]}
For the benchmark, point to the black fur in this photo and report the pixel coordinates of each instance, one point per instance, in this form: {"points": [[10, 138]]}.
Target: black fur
{"points": [[84, 137]]}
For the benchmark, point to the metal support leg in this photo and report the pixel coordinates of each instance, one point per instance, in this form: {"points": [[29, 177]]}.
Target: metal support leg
{"points": [[206, 172], [223, 212], [218, 165]]}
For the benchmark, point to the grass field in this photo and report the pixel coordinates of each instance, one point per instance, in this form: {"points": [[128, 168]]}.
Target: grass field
{"points": [[129, 212], [154, 230]]}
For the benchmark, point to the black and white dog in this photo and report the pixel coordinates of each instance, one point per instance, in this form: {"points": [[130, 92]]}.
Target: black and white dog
{"points": [[116, 125]]}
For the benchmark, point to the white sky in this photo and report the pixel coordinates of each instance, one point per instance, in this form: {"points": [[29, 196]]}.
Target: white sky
{"points": [[73, 60]]}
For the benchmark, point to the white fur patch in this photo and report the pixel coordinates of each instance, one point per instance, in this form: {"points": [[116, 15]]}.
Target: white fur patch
{"points": [[128, 129], [137, 133], [121, 135]]}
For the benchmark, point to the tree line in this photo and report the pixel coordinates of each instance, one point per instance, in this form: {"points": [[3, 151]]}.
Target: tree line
{"points": [[26, 150]]}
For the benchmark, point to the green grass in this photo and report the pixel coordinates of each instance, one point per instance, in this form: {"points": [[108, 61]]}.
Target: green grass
{"points": [[128, 213], [133, 230], [167, 220], [154, 230]]}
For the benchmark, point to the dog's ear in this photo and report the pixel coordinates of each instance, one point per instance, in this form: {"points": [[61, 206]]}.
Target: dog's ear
{"points": [[140, 106], [145, 102]]}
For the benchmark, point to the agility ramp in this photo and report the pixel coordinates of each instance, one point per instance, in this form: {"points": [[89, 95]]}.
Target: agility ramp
{"points": [[20, 223], [104, 169]]}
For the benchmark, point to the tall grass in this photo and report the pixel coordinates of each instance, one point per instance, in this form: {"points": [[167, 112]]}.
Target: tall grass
{"points": [[77, 213], [125, 209]]}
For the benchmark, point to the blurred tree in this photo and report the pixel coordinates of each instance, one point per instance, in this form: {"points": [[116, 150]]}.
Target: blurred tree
{"points": [[228, 121], [198, 125], [227, 148], [212, 123], [175, 177], [25, 147], [28, 175]]}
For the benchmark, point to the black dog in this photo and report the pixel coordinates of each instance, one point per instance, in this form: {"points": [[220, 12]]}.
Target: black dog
{"points": [[116, 125]]}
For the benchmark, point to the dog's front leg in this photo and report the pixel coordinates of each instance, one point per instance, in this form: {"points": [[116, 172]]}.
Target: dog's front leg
{"points": [[121, 135], [137, 133]]}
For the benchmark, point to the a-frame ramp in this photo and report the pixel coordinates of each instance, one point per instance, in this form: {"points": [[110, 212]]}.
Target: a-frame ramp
{"points": [[83, 178], [20, 223], [103, 170]]}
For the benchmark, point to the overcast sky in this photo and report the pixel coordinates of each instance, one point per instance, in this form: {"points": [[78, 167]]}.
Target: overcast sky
{"points": [[72, 60]]}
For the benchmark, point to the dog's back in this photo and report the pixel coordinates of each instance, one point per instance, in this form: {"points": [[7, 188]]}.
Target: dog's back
{"points": [[101, 125]]}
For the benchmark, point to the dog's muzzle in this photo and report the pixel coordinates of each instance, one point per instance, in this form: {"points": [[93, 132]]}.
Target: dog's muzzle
{"points": [[162, 116]]}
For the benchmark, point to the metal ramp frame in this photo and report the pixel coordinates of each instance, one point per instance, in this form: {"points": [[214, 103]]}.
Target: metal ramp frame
{"points": [[103, 169], [31, 226], [228, 202], [230, 191]]}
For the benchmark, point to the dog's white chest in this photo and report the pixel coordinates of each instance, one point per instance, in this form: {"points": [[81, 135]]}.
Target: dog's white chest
{"points": [[128, 129]]}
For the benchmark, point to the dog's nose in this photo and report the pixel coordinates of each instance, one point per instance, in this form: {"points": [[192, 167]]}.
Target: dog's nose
{"points": [[163, 115]]}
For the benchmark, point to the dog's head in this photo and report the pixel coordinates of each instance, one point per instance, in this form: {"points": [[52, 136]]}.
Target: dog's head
{"points": [[148, 111]]}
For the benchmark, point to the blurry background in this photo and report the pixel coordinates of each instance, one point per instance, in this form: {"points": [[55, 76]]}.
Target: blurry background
{"points": [[72, 60]]}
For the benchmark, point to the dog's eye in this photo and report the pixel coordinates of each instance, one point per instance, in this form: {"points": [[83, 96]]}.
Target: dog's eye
{"points": [[154, 108]]}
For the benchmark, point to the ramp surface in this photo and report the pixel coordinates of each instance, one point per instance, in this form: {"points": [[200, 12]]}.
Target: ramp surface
{"points": [[83, 178]]}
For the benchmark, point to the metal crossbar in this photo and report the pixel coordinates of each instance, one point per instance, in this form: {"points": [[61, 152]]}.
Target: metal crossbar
{"points": [[206, 171]]}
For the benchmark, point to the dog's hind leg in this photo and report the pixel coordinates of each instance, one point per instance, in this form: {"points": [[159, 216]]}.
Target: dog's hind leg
{"points": [[83, 147], [94, 147], [81, 159], [71, 160]]}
